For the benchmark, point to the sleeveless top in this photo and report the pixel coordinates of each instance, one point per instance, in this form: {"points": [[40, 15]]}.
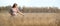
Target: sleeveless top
{"points": [[13, 11]]}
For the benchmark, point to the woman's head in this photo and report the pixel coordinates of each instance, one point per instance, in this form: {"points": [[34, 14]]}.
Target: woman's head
{"points": [[14, 5]]}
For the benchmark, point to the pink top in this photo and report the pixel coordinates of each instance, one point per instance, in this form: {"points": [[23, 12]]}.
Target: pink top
{"points": [[14, 11]]}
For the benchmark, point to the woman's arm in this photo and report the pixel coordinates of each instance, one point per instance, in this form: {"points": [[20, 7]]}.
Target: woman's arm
{"points": [[20, 12]]}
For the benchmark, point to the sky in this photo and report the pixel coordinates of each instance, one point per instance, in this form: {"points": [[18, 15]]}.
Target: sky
{"points": [[31, 3]]}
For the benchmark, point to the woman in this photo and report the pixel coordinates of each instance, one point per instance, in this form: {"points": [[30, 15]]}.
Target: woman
{"points": [[14, 10]]}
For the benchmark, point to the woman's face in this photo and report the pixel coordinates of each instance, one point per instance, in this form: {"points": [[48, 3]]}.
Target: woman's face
{"points": [[15, 6]]}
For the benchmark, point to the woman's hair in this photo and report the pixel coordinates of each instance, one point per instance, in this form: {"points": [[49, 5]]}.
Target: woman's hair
{"points": [[14, 5]]}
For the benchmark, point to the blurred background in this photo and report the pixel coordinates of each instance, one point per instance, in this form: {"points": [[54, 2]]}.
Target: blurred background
{"points": [[36, 13], [32, 6]]}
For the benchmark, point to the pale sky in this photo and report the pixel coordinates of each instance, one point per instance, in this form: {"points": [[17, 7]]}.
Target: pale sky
{"points": [[31, 3]]}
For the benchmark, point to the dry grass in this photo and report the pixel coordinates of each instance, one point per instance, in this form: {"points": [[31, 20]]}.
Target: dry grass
{"points": [[30, 19]]}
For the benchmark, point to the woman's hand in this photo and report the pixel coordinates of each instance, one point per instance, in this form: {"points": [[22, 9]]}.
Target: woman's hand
{"points": [[21, 13]]}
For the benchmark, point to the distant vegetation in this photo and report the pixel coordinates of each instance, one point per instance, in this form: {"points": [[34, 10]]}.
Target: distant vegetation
{"points": [[41, 10], [33, 9]]}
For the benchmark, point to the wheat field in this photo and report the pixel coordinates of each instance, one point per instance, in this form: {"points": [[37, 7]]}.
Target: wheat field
{"points": [[30, 19]]}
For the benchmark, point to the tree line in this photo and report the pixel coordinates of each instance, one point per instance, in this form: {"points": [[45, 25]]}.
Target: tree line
{"points": [[32, 9]]}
